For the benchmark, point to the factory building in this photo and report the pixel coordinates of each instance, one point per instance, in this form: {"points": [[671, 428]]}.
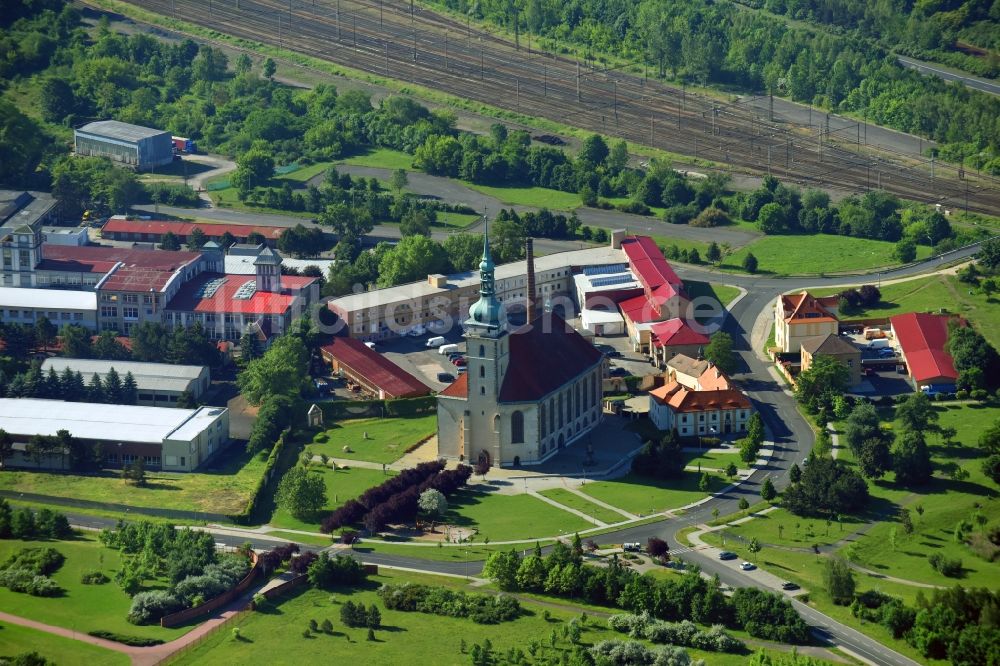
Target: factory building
{"points": [[141, 148]]}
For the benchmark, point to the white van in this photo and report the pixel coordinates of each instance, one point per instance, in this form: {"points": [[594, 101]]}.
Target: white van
{"points": [[436, 341], [447, 349], [880, 343]]}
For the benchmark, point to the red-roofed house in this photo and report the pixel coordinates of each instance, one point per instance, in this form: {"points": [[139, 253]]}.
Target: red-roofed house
{"points": [[713, 406], [378, 375], [922, 338], [801, 316], [663, 296], [152, 231], [676, 336], [527, 393]]}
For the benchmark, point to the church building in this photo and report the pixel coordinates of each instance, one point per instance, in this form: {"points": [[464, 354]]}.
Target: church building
{"points": [[527, 393]]}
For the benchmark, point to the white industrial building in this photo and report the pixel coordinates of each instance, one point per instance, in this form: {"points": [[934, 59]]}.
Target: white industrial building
{"points": [[159, 384], [176, 440], [60, 306], [133, 145]]}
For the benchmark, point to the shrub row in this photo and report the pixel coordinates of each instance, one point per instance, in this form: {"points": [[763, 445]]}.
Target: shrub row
{"points": [[402, 407], [633, 652], [125, 639], [39, 561], [480, 608], [259, 491], [352, 512], [26, 524], [403, 507], [685, 633]]}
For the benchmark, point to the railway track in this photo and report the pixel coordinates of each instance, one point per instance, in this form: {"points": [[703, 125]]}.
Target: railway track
{"points": [[439, 52]]}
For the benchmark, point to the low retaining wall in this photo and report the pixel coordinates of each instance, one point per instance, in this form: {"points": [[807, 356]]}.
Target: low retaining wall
{"points": [[188, 614]]}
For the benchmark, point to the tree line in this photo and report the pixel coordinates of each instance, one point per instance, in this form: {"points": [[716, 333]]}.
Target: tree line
{"points": [[687, 597]]}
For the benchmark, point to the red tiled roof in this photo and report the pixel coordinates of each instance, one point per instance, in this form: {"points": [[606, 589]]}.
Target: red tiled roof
{"points": [[676, 332], [804, 308], [137, 270], [923, 337], [639, 309], [192, 298], [545, 354], [458, 388], [161, 227], [376, 368], [682, 399]]}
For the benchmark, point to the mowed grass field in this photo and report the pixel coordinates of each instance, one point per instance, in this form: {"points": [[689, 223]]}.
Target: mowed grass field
{"points": [[381, 158], [721, 293], [539, 197], [643, 496], [15, 639], [223, 488], [387, 439], [817, 254], [82, 607], [341, 485], [574, 501], [277, 631], [509, 517], [713, 459], [930, 294]]}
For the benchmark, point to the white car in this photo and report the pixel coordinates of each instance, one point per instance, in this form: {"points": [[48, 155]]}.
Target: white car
{"points": [[748, 566]]}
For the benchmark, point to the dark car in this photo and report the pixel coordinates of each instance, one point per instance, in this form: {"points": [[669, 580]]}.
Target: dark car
{"points": [[608, 350], [789, 585], [619, 372], [727, 555], [446, 377]]}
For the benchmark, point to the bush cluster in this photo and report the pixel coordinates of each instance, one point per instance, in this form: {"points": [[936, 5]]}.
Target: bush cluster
{"points": [[125, 639], [28, 582], [214, 580], [684, 633], [94, 578], [633, 652], [325, 571], [40, 561], [480, 608], [355, 615], [946, 566], [148, 607]]}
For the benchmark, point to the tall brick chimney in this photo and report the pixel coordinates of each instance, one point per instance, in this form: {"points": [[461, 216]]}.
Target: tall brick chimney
{"points": [[529, 301]]}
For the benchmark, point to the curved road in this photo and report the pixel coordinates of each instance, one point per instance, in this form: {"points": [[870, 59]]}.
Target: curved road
{"points": [[968, 80], [792, 436]]}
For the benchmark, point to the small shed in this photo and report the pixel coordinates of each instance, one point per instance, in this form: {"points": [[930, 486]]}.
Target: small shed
{"points": [[315, 416]]}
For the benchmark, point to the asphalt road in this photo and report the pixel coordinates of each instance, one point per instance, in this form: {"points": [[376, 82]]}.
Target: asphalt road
{"points": [[967, 80]]}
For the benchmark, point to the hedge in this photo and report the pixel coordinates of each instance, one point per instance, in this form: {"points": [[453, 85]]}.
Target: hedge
{"points": [[125, 639], [263, 484], [342, 409]]}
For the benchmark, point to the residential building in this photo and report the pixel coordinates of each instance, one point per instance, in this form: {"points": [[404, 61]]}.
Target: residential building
{"points": [[922, 339], [376, 374], [709, 406], [176, 440], [141, 148], [527, 393], [60, 306], [835, 347], [800, 316], [676, 336], [159, 384], [686, 370]]}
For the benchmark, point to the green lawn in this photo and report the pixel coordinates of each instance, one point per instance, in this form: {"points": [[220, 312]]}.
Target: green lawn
{"points": [[382, 158], [713, 459], [817, 254], [463, 553], [15, 639], [641, 496], [574, 501], [277, 631], [320, 540], [945, 503], [539, 197], [665, 242], [223, 488], [930, 294], [457, 220], [782, 528], [301, 175], [388, 439], [722, 293], [82, 608], [226, 198], [507, 517], [341, 485]]}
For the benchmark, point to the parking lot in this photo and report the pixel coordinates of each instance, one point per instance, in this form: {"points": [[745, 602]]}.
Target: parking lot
{"points": [[884, 378], [421, 361]]}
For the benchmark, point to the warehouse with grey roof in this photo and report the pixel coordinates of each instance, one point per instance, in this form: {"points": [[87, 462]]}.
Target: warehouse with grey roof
{"points": [[139, 147], [158, 384]]}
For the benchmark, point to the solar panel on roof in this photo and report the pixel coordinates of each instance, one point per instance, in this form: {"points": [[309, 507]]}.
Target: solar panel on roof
{"points": [[614, 279], [208, 289], [605, 269]]}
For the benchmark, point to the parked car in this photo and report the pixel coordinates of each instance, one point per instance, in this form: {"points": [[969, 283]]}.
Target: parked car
{"points": [[727, 555], [932, 390], [460, 362], [461, 369], [446, 377], [609, 351], [619, 372], [789, 585], [322, 386], [870, 372], [748, 566], [632, 547], [886, 352]]}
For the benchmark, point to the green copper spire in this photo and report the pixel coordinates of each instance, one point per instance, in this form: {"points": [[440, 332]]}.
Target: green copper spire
{"points": [[487, 311]]}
